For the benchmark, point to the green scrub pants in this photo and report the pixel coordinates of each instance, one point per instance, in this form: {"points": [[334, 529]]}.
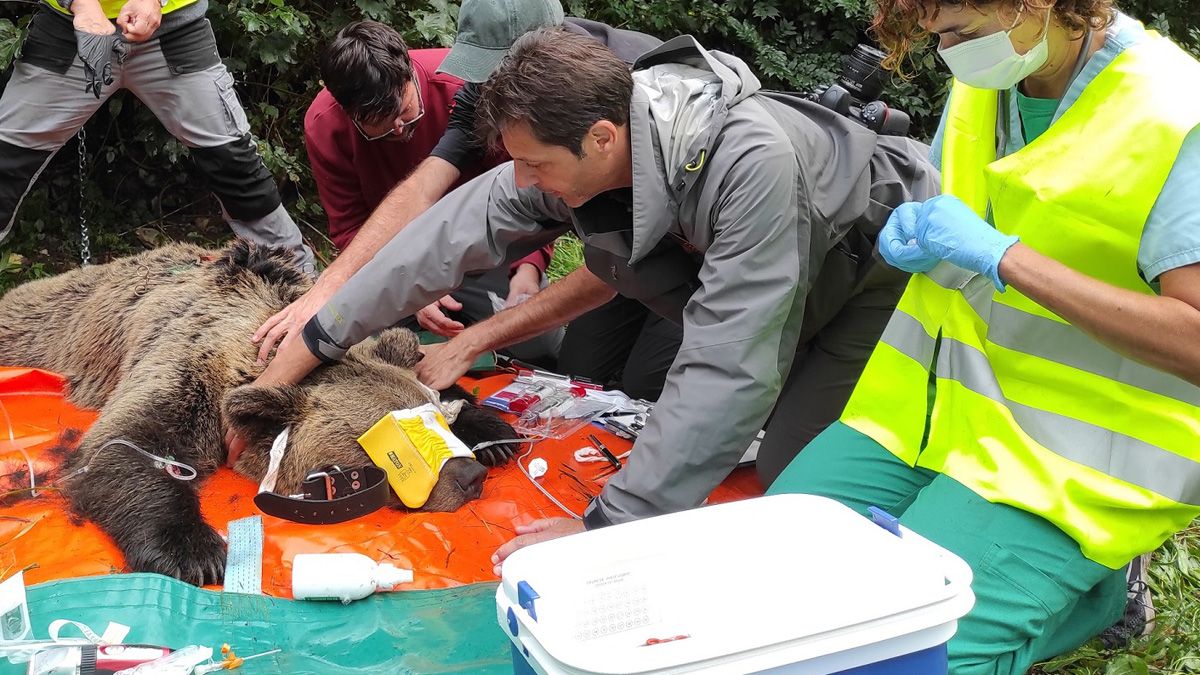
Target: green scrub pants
{"points": [[1036, 595]]}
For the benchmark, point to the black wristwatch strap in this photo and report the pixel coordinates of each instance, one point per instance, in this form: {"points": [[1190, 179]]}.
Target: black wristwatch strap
{"points": [[330, 496]]}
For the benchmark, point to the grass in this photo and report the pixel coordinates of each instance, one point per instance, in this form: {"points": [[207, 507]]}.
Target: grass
{"points": [[1174, 646], [568, 255]]}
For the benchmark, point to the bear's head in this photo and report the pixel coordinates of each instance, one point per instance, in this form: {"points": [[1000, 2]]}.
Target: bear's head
{"points": [[337, 403]]}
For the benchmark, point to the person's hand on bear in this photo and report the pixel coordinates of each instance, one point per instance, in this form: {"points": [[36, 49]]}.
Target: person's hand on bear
{"points": [[442, 364], [537, 531], [287, 325], [433, 318], [139, 19]]}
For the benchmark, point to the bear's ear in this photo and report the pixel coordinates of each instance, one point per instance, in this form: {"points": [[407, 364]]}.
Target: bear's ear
{"points": [[255, 410], [397, 346]]}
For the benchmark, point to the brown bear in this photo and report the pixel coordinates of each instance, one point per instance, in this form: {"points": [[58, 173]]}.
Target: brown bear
{"points": [[159, 343]]}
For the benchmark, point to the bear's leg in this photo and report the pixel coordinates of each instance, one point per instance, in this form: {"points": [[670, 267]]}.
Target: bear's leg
{"points": [[153, 517]]}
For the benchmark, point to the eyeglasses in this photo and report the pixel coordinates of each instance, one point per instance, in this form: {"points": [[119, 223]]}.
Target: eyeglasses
{"points": [[396, 128]]}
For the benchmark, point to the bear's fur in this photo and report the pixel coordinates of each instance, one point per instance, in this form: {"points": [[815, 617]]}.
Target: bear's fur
{"points": [[160, 344]]}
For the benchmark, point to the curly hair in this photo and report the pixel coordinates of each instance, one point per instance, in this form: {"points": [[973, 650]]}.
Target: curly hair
{"points": [[897, 22]]}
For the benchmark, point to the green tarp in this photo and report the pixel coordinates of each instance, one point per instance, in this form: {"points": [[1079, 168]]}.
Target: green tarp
{"points": [[441, 631]]}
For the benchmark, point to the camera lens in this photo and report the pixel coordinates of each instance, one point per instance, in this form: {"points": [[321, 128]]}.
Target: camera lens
{"points": [[862, 75]]}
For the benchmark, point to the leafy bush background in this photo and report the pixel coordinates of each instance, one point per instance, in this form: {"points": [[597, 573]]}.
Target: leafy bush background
{"points": [[139, 188]]}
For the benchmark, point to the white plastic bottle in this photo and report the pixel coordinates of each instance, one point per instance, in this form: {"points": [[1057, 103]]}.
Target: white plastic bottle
{"points": [[342, 576]]}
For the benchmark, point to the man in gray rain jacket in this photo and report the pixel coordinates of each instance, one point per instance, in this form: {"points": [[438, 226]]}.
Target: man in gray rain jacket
{"points": [[747, 216]]}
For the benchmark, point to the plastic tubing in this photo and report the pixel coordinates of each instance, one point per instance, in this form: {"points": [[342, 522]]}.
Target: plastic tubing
{"points": [[168, 463], [173, 468], [531, 442], [12, 440]]}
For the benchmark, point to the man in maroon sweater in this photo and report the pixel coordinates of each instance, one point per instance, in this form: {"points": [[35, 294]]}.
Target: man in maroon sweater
{"points": [[383, 112]]}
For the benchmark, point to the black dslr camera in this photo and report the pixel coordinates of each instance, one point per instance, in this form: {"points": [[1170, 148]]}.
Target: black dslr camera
{"points": [[856, 93]]}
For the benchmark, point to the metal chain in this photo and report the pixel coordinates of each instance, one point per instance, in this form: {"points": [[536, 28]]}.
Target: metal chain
{"points": [[85, 240]]}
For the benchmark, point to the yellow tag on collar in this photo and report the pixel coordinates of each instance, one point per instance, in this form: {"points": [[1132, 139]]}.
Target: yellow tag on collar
{"points": [[412, 446]]}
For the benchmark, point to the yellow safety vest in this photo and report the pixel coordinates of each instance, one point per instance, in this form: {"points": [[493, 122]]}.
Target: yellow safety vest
{"points": [[1029, 410], [113, 7]]}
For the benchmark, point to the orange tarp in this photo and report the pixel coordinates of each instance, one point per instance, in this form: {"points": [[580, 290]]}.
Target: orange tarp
{"points": [[443, 549]]}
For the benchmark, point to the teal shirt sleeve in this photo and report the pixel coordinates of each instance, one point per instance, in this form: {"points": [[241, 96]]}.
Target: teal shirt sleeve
{"points": [[935, 146], [1171, 238]]}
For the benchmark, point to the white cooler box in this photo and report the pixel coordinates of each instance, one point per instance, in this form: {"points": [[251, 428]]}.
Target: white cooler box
{"points": [[780, 584]]}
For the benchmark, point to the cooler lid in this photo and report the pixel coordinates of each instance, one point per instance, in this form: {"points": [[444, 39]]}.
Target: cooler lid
{"points": [[716, 581]]}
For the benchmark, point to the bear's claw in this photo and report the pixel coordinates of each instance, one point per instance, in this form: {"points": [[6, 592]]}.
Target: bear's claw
{"points": [[193, 553]]}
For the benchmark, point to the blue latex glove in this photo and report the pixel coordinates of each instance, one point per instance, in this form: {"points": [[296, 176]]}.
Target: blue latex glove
{"points": [[898, 241], [918, 236], [950, 230]]}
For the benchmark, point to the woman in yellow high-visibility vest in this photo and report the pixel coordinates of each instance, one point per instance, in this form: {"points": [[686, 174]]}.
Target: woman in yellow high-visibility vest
{"points": [[1033, 403]]}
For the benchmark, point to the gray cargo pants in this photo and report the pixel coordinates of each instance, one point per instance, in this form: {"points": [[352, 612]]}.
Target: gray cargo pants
{"points": [[180, 78]]}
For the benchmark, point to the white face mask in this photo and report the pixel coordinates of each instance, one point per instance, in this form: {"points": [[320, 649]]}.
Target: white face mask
{"points": [[991, 62]]}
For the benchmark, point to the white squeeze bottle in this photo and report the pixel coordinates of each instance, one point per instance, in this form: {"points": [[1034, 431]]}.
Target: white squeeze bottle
{"points": [[342, 576]]}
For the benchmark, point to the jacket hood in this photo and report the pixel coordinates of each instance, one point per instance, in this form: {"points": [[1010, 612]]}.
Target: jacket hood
{"points": [[681, 95]]}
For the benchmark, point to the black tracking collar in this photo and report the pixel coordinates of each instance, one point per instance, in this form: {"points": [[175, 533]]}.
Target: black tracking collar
{"points": [[331, 496]]}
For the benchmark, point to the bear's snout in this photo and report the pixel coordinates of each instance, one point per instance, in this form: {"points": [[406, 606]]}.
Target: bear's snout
{"points": [[460, 481], [470, 479]]}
